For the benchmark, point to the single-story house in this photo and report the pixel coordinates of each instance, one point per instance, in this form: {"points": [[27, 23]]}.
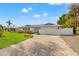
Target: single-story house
{"points": [[45, 29], [50, 29]]}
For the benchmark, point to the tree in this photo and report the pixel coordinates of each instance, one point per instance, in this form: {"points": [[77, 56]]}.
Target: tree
{"points": [[70, 19], [1, 26], [9, 23], [74, 11], [70, 23], [1, 30], [63, 19], [72, 14]]}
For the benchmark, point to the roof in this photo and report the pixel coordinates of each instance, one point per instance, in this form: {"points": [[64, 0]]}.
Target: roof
{"points": [[46, 26], [42, 25], [49, 24]]}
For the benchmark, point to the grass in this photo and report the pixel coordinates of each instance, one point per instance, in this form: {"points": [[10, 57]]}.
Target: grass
{"points": [[12, 38]]}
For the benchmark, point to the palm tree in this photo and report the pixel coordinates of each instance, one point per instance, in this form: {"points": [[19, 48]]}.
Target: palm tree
{"points": [[9, 23]]}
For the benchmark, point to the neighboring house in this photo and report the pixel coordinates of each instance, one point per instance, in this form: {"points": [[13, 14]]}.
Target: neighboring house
{"points": [[23, 28], [19, 28]]}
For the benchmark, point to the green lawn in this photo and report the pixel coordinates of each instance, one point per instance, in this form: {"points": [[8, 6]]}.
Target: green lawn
{"points": [[10, 38]]}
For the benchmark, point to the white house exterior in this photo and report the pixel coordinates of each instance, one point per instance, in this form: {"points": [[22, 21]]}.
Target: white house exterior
{"points": [[51, 29]]}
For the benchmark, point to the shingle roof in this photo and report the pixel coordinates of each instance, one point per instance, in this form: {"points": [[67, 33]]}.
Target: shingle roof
{"points": [[45, 25]]}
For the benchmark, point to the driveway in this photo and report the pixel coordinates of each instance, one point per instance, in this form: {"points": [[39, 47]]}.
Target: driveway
{"points": [[73, 42], [39, 45]]}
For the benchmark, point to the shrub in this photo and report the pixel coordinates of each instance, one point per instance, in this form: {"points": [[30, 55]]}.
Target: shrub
{"points": [[20, 31], [12, 29], [25, 35], [77, 30], [28, 31], [25, 31], [1, 32]]}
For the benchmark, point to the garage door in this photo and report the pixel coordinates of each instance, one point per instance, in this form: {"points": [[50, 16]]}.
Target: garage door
{"points": [[48, 31]]}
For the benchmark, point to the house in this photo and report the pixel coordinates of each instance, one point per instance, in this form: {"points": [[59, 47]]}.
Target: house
{"points": [[45, 29], [49, 29], [23, 27]]}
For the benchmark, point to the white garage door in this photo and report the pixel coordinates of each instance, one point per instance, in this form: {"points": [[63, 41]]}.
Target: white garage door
{"points": [[47, 30]]}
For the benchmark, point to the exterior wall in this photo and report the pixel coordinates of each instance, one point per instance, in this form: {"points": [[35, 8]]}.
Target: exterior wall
{"points": [[34, 29]]}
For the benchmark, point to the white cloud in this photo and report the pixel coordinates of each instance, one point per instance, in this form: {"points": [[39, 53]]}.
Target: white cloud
{"points": [[29, 8], [45, 14], [36, 15], [24, 10], [55, 3]]}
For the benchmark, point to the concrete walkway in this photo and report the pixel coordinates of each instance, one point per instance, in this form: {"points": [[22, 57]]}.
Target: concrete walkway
{"points": [[39, 45]]}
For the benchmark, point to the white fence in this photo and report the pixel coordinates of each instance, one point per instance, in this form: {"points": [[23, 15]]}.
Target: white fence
{"points": [[65, 31]]}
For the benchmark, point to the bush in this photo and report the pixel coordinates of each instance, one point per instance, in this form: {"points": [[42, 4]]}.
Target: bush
{"points": [[77, 30], [28, 31], [1, 32], [20, 31], [25, 35], [25, 31]]}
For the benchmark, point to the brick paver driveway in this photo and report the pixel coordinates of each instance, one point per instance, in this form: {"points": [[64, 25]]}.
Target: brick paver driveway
{"points": [[39, 45]]}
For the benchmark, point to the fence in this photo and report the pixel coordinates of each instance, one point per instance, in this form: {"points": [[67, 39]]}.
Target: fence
{"points": [[65, 31], [62, 31]]}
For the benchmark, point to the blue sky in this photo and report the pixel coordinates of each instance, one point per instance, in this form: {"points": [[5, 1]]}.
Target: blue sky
{"points": [[31, 13]]}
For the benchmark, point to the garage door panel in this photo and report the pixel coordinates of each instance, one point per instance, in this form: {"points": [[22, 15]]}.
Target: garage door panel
{"points": [[48, 31]]}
